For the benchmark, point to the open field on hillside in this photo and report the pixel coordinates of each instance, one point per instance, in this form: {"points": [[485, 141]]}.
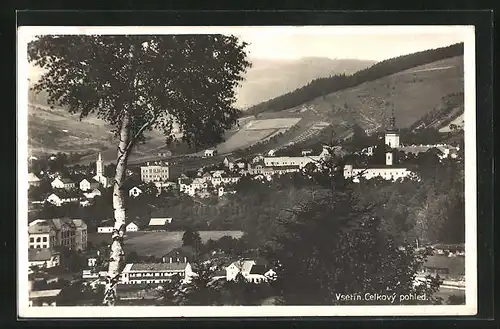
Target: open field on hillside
{"points": [[413, 93], [158, 243], [314, 130], [458, 121], [281, 123], [242, 139]]}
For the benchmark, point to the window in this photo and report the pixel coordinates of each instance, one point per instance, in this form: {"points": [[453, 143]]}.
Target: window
{"points": [[32, 239], [44, 239], [38, 240], [32, 247], [37, 246]]}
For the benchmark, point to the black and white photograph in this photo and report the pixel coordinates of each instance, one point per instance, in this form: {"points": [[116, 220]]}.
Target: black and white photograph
{"points": [[246, 171]]}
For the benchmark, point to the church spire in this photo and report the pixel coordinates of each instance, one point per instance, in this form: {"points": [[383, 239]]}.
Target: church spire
{"points": [[99, 165]]}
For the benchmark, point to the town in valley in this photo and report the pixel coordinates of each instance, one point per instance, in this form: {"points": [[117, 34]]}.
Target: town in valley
{"points": [[260, 218]]}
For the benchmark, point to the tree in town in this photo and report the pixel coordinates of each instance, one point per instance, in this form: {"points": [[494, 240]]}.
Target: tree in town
{"points": [[191, 238], [139, 83], [335, 245]]}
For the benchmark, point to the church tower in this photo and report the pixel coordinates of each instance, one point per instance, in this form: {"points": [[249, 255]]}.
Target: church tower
{"points": [[99, 166], [392, 133]]}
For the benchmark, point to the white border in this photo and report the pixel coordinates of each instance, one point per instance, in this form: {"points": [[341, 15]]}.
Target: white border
{"points": [[24, 311]]}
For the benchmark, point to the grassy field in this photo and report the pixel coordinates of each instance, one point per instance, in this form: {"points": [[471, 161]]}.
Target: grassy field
{"points": [[158, 243]]}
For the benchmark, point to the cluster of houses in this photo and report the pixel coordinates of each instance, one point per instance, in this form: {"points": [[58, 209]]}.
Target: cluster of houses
{"points": [[155, 224], [253, 271], [66, 190], [260, 167], [391, 170], [47, 238]]}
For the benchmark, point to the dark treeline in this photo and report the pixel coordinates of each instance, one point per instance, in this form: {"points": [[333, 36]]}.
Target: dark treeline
{"points": [[323, 86]]}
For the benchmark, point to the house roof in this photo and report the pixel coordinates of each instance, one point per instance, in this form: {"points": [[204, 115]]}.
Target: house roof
{"points": [[66, 180], [244, 265], [159, 221], [258, 269], [184, 251], [132, 223], [135, 188], [79, 223], [284, 167], [39, 255], [41, 226], [32, 177], [44, 293], [158, 267]]}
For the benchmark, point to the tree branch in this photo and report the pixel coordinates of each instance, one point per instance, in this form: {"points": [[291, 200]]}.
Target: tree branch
{"points": [[145, 126]]}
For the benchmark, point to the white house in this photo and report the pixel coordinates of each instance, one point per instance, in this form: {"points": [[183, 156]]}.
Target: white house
{"points": [[105, 229], [55, 200], [44, 297], [134, 192], [95, 192], [159, 172], [63, 183], [86, 185], [250, 270], [306, 152], [271, 153], [33, 180], [210, 153], [132, 227]]}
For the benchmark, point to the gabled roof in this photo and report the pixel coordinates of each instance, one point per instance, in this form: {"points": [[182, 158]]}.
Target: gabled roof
{"points": [[66, 180], [40, 226], [159, 221], [243, 265], [158, 267], [44, 293], [40, 255], [135, 188], [79, 223], [258, 269], [32, 177]]}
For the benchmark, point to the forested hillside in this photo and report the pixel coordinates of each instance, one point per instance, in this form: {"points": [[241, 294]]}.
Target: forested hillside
{"points": [[323, 86]]}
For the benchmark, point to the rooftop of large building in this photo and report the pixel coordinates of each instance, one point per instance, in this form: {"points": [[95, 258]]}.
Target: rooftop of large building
{"points": [[155, 267], [40, 255]]}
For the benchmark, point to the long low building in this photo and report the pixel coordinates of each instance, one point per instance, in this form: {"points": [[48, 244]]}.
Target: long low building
{"points": [[154, 272], [389, 171]]}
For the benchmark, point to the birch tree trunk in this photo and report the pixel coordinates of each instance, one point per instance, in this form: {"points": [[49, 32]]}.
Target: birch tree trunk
{"points": [[116, 260]]}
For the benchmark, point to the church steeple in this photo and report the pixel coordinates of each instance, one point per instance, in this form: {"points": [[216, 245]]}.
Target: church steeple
{"points": [[392, 132], [99, 165], [392, 123]]}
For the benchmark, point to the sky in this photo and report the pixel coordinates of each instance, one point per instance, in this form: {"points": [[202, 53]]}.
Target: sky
{"points": [[294, 42], [376, 43], [376, 48]]}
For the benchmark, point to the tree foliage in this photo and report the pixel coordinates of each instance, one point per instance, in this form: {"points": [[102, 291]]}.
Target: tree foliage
{"points": [[158, 79], [336, 245]]}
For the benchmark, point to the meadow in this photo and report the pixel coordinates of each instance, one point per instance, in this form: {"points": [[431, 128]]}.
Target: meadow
{"points": [[158, 243]]}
